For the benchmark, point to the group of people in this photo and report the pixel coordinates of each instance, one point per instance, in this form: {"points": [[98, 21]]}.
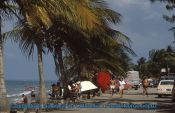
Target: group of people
{"points": [[116, 85], [119, 85], [25, 100], [117, 82], [56, 91], [75, 90]]}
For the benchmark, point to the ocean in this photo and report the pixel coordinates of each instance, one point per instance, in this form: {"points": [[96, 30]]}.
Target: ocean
{"points": [[15, 88]]}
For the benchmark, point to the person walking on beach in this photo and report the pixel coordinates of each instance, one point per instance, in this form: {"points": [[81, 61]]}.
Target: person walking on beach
{"points": [[122, 86], [145, 84], [112, 86]]}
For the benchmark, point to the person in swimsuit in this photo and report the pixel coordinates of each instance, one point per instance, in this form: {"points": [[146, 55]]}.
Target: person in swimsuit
{"points": [[112, 86], [145, 84]]}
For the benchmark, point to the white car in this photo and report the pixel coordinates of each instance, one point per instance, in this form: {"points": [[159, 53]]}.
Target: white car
{"points": [[165, 87]]}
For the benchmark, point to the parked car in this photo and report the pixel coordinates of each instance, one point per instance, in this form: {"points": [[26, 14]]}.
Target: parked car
{"points": [[168, 77], [155, 83], [165, 88], [173, 92]]}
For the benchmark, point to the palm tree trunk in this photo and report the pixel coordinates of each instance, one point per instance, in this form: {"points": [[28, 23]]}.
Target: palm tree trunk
{"points": [[4, 106], [42, 90], [63, 78]]}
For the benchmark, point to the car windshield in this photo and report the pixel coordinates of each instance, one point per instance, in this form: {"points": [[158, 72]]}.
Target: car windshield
{"points": [[167, 82]]}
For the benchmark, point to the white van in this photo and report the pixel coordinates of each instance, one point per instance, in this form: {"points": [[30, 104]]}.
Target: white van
{"points": [[133, 79]]}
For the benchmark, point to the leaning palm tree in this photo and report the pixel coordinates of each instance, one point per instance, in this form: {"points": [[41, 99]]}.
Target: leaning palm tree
{"points": [[105, 16], [37, 16], [84, 21]]}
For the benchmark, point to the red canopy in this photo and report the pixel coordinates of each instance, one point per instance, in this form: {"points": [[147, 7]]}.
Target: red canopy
{"points": [[103, 80]]}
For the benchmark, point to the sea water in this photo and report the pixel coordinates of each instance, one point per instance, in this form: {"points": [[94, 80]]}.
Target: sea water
{"points": [[15, 88]]}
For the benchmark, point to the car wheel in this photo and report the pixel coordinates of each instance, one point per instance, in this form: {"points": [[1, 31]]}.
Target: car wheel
{"points": [[136, 88], [159, 95]]}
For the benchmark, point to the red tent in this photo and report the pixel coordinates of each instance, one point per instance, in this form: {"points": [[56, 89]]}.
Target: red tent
{"points": [[103, 80]]}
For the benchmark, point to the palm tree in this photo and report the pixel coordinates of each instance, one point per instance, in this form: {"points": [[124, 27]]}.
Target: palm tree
{"points": [[28, 38], [67, 38], [80, 42], [163, 58], [92, 22], [37, 17], [3, 93], [5, 10]]}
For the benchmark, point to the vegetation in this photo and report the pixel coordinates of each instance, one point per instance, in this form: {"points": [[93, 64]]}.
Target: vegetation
{"points": [[158, 59], [77, 31]]}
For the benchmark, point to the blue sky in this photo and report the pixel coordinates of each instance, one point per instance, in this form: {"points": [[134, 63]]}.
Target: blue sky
{"points": [[142, 22]]}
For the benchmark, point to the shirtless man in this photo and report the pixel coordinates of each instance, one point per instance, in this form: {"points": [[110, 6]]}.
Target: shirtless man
{"points": [[145, 84]]}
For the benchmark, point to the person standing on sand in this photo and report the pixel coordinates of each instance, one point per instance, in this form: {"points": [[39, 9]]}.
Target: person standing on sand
{"points": [[145, 84], [112, 86], [122, 86]]}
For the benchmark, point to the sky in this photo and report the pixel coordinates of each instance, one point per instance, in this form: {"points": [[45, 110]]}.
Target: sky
{"points": [[142, 22]]}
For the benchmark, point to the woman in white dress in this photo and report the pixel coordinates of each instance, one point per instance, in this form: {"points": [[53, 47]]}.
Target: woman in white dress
{"points": [[122, 86]]}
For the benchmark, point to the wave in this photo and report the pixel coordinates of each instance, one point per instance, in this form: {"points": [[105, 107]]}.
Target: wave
{"points": [[19, 94]]}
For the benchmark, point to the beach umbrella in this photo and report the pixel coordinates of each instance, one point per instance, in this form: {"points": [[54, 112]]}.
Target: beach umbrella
{"points": [[87, 85]]}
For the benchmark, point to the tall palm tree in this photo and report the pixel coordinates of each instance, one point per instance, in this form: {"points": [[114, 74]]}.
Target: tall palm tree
{"points": [[28, 38], [3, 93], [5, 12], [93, 12], [79, 42], [91, 22]]}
